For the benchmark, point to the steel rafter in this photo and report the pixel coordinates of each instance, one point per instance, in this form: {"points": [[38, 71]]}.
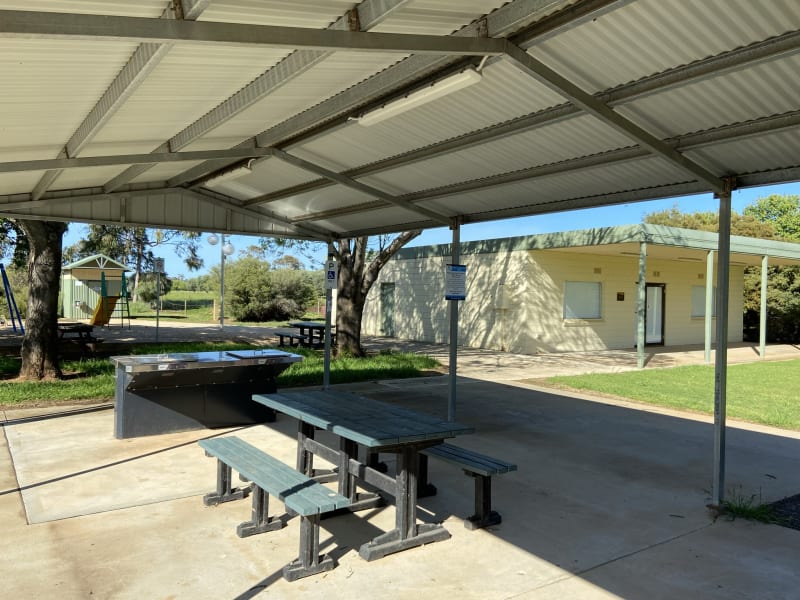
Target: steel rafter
{"points": [[498, 24], [360, 187], [127, 159], [140, 65], [556, 82], [697, 71], [19, 209], [141, 29], [695, 141], [369, 14]]}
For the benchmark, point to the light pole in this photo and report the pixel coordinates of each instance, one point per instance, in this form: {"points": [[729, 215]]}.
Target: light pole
{"points": [[225, 249]]}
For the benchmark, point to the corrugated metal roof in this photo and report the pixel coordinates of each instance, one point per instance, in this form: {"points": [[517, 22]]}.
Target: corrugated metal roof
{"points": [[714, 81]]}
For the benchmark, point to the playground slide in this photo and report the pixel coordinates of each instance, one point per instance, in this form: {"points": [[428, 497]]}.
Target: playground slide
{"points": [[104, 310]]}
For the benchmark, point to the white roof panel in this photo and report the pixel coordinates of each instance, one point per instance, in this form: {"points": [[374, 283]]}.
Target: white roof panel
{"points": [[684, 94]]}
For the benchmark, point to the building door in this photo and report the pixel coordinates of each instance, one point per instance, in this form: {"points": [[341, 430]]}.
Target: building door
{"points": [[654, 314], [387, 309]]}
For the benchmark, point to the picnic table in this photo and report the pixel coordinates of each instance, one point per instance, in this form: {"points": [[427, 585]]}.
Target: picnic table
{"points": [[375, 426], [309, 333], [80, 335]]}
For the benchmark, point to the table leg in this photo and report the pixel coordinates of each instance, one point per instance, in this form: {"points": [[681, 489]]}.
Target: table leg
{"points": [[406, 534], [305, 459]]}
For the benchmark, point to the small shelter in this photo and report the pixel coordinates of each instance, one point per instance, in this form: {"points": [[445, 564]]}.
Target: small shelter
{"points": [[91, 287]]}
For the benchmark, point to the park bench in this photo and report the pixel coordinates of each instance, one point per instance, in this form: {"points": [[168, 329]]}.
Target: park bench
{"points": [[478, 466], [85, 347], [269, 476]]}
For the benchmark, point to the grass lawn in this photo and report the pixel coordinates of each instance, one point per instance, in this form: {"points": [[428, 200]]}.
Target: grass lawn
{"points": [[763, 392], [93, 379]]}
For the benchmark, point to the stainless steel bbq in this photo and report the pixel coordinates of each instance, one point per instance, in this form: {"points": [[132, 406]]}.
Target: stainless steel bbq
{"points": [[161, 393]]}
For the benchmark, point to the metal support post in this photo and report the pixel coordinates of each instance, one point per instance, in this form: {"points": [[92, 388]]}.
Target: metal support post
{"points": [[762, 320], [709, 309], [641, 304], [456, 257], [721, 362]]}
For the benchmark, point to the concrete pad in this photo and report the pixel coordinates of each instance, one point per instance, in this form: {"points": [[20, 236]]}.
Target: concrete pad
{"points": [[609, 501], [72, 465]]}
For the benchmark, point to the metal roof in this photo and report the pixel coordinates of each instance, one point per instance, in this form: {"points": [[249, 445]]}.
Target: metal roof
{"points": [[673, 243], [126, 111]]}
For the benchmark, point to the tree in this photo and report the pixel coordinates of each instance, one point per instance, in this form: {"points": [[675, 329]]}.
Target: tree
{"points": [[40, 343], [133, 246], [287, 261], [747, 225], [359, 266], [782, 212], [773, 217]]}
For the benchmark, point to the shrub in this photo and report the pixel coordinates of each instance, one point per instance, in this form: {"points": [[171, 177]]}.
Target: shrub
{"points": [[258, 294]]}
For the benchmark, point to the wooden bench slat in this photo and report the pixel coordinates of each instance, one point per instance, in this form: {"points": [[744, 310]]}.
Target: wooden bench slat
{"points": [[301, 494], [473, 461]]}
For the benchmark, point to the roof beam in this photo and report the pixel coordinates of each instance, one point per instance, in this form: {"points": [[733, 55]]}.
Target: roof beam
{"points": [[127, 159], [138, 67], [306, 231], [141, 29], [695, 141], [500, 23], [360, 187], [143, 61], [369, 13], [18, 209], [697, 71], [586, 101]]}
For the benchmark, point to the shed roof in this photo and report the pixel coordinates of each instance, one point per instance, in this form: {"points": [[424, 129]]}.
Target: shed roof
{"points": [[128, 111], [96, 261], [688, 245]]}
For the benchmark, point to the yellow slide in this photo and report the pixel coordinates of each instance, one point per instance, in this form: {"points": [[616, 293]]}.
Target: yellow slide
{"points": [[103, 310]]}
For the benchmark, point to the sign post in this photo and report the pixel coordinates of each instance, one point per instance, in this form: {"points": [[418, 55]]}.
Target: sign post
{"points": [[331, 283]]}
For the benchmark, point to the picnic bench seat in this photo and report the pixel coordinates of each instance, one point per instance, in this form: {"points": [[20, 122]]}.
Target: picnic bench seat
{"points": [[269, 476], [478, 466], [86, 347], [294, 338]]}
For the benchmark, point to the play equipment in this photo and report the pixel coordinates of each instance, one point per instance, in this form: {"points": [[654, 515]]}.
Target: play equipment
{"points": [[13, 311], [107, 306]]}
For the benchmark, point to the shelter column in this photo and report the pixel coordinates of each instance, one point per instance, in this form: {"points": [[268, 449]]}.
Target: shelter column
{"points": [[709, 310], [456, 257], [762, 318], [641, 304], [721, 362]]}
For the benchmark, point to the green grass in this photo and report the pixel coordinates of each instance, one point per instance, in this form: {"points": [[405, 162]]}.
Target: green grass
{"points": [[93, 379], [196, 307], [762, 392], [750, 507]]}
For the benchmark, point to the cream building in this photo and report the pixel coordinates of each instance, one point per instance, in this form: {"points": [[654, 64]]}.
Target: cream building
{"points": [[570, 291]]}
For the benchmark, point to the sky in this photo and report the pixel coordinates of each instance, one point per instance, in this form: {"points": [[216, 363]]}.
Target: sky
{"points": [[622, 214]]}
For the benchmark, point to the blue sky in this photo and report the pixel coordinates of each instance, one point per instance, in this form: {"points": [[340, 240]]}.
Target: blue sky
{"points": [[622, 214]]}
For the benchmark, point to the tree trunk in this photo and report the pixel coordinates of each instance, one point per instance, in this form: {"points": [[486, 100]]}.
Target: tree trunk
{"points": [[356, 277], [349, 309], [40, 343]]}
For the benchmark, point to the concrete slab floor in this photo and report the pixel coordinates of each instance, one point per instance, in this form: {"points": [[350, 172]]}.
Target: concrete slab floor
{"points": [[609, 501]]}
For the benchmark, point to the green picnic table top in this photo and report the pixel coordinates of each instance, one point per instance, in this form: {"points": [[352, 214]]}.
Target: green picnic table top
{"points": [[365, 421]]}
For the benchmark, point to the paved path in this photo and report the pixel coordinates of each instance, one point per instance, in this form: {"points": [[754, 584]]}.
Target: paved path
{"points": [[477, 363]]}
